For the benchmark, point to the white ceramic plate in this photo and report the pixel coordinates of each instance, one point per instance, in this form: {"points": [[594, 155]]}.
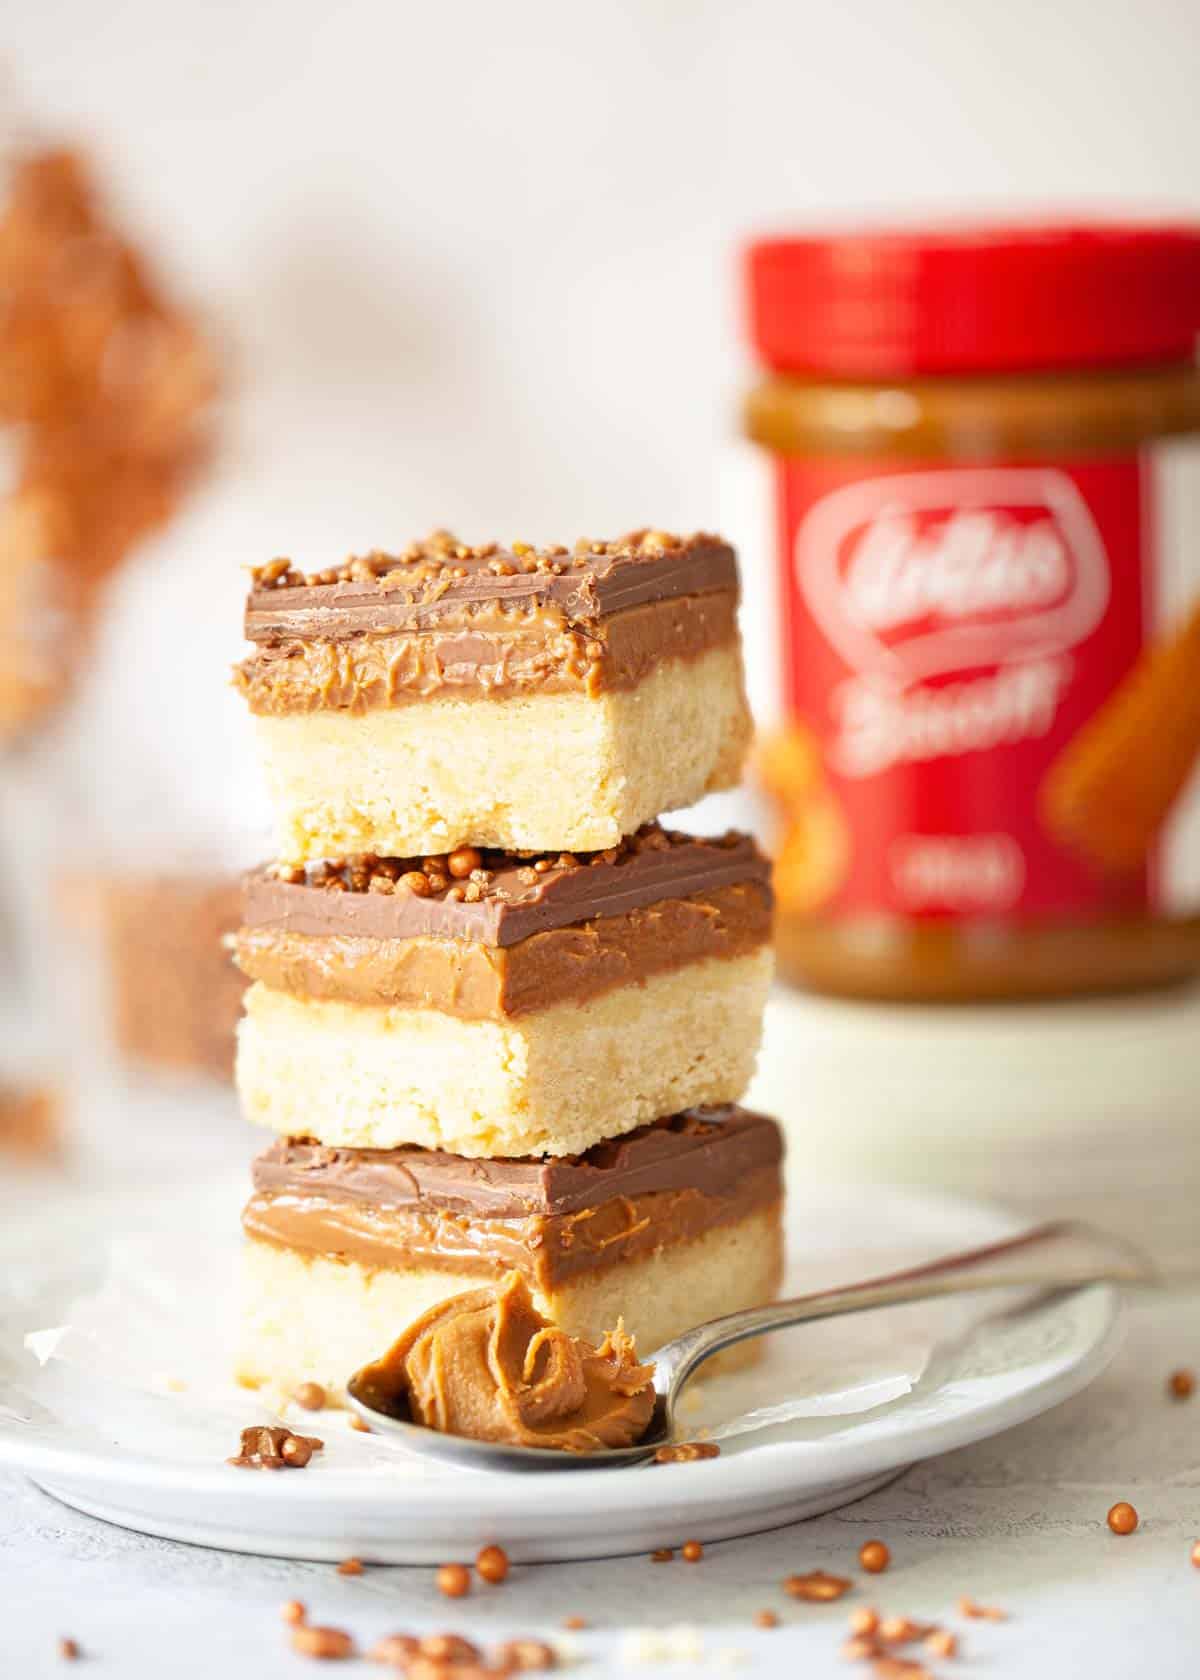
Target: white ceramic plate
{"points": [[126, 1417]]}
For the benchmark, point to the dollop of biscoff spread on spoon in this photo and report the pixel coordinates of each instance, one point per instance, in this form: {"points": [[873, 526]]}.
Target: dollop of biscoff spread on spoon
{"points": [[486, 1364]]}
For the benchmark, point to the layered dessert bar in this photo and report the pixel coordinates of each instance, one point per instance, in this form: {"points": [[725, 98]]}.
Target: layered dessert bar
{"points": [[495, 1005], [673, 1225], [518, 698]]}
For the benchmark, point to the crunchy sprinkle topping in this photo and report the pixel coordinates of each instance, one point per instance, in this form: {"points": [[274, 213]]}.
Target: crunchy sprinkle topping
{"points": [[442, 558], [471, 873]]}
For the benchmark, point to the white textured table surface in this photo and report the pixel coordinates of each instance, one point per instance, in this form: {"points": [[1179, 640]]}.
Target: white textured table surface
{"points": [[1017, 1522]]}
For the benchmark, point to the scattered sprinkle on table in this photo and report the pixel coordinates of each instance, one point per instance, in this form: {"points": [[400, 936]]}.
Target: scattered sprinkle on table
{"points": [[448, 1648], [941, 1643], [492, 1565], [395, 1649], [817, 1587], [981, 1612], [453, 1580], [1122, 1519], [325, 1644], [902, 1630], [524, 1654]]}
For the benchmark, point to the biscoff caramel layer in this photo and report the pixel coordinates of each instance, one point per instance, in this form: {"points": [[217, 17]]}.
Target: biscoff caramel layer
{"points": [[547, 1249], [484, 653], [475, 981]]}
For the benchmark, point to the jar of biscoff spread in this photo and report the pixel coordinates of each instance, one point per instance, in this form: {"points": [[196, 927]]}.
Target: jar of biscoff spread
{"points": [[985, 448]]}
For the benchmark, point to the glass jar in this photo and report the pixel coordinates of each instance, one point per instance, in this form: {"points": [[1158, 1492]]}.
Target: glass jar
{"points": [[985, 449]]}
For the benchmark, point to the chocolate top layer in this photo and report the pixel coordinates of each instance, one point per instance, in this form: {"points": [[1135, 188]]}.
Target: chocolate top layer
{"points": [[505, 899], [706, 1149], [441, 578]]}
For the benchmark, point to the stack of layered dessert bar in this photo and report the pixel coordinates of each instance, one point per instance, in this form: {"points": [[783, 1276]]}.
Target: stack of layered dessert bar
{"points": [[499, 1015]]}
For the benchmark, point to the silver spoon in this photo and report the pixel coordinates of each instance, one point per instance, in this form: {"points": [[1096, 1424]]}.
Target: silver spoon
{"points": [[1063, 1255]]}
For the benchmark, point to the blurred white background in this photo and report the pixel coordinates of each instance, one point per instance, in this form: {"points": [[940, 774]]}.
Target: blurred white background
{"points": [[477, 264]]}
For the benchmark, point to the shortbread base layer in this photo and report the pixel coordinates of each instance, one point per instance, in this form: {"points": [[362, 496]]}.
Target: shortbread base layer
{"points": [[541, 772], [549, 1083], [315, 1319]]}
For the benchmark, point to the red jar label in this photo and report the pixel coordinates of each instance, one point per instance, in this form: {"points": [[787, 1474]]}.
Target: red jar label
{"points": [[950, 634]]}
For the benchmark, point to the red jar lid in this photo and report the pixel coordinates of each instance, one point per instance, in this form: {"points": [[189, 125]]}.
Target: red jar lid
{"points": [[974, 299]]}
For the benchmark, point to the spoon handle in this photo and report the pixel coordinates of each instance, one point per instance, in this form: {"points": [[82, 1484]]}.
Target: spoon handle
{"points": [[1062, 1255]]}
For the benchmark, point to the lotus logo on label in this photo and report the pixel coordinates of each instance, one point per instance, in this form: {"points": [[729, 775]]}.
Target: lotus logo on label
{"points": [[988, 576]]}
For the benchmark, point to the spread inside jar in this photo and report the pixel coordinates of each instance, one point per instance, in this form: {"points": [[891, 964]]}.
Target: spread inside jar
{"points": [[486, 1364]]}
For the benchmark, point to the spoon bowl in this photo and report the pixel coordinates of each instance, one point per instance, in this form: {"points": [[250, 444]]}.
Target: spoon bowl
{"points": [[1058, 1256], [391, 1417]]}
